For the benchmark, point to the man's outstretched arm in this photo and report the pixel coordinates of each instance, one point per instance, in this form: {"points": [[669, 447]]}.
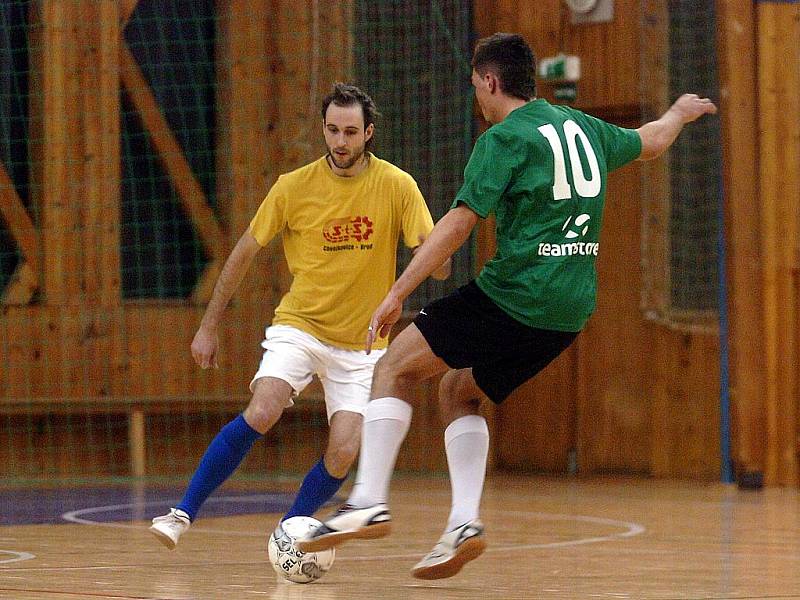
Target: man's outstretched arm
{"points": [[447, 236], [659, 135]]}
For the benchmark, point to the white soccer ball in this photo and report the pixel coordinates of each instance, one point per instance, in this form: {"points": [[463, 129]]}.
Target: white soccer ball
{"points": [[288, 561]]}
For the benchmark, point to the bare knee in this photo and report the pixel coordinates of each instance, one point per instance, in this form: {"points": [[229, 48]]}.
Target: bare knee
{"points": [[408, 361], [266, 406], [393, 376], [458, 395]]}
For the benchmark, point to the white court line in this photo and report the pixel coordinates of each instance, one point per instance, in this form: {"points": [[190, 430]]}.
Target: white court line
{"points": [[629, 529], [74, 516], [16, 556]]}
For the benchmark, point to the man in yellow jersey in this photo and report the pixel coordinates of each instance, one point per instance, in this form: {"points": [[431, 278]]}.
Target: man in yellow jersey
{"points": [[341, 218]]}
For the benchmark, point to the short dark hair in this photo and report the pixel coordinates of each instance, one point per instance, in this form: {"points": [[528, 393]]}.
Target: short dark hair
{"points": [[344, 94], [510, 58]]}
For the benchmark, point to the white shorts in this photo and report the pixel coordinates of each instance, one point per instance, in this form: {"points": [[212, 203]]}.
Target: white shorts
{"points": [[295, 356]]}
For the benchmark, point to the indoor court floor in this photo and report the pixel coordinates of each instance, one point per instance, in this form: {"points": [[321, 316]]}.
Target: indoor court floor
{"points": [[549, 538]]}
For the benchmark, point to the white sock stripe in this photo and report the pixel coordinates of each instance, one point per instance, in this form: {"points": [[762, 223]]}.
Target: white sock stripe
{"points": [[467, 424], [388, 408]]}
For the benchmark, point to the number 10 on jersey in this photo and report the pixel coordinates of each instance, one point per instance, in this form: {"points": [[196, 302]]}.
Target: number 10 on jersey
{"points": [[585, 188]]}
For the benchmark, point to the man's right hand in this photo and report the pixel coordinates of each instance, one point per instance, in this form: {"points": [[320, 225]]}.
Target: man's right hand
{"points": [[690, 107], [383, 319], [204, 348]]}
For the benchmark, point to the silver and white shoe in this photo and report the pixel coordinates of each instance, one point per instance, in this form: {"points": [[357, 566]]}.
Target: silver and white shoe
{"points": [[348, 523], [169, 528], [453, 550]]}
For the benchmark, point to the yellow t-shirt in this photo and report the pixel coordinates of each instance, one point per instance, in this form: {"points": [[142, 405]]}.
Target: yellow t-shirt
{"points": [[340, 238]]}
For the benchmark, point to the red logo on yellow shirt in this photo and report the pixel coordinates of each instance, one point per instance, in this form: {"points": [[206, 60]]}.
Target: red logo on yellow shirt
{"points": [[346, 229]]}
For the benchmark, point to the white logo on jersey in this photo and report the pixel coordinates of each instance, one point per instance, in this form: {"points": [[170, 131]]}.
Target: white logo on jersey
{"points": [[579, 220]]}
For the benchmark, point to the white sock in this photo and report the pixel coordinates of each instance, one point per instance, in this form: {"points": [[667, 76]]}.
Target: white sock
{"points": [[466, 441], [386, 423]]}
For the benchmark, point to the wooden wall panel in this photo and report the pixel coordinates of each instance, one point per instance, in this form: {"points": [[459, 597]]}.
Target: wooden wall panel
{"points": [[75, 186], [684, 366], [534, 428], [632, 396], [21, 354], [609, 77], [779, 131], [615, 403]]}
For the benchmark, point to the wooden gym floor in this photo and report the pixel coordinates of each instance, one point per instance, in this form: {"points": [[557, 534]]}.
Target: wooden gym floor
{"points": [[548, 538]]}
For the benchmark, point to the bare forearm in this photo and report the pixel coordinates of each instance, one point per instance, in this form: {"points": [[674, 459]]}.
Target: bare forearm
{"points": [[433, 256], [229, 280], [444, 271], [659, 135]]}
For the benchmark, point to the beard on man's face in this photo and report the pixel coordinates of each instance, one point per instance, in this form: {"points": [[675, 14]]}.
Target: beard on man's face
{"points": [[345, 162]]}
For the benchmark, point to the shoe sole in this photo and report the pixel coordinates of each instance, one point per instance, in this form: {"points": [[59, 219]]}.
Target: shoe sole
{"points": [[331, 540], [163, 538], [467, 551]]}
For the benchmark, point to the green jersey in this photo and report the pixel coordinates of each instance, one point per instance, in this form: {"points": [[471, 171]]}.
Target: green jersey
{"points": [[542, 172]]}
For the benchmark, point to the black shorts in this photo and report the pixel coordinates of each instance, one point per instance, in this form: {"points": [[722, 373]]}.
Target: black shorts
{"points": [[466, 329]]}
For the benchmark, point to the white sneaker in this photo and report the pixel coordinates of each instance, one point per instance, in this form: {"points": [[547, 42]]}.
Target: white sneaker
{"points": [[453, 550], [169, 528], [347, 523]]}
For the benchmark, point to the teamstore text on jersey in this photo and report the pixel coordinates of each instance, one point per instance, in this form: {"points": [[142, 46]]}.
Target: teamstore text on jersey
{"points": [[570, 249]]}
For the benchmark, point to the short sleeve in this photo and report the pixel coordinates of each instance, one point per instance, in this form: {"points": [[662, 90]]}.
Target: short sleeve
{"points": [[417, 220], [270, 218], [621, 145], [487, 174]]}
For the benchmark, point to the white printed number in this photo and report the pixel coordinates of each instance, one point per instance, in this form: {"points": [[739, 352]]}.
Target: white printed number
{"points": [[586, 188]]}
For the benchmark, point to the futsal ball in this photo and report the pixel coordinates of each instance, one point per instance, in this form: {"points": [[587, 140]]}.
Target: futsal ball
{"points": [[291, 563]]}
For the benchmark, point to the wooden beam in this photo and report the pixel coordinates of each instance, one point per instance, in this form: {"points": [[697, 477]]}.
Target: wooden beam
{"points": [[740, 157], [246, 117], [137, 444], [299, 67], [22, 286], [126, 9], [19, 223], [25, 280], [170, 154], [100, 114], [101, 285], [656, 190], [57, 158]]}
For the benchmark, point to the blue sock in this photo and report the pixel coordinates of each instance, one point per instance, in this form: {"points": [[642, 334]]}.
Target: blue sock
{"points": [[318, 487], [223, 455]]}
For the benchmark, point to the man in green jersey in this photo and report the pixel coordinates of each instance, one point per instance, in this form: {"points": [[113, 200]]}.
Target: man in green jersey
{"points": [[541, 169]]}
